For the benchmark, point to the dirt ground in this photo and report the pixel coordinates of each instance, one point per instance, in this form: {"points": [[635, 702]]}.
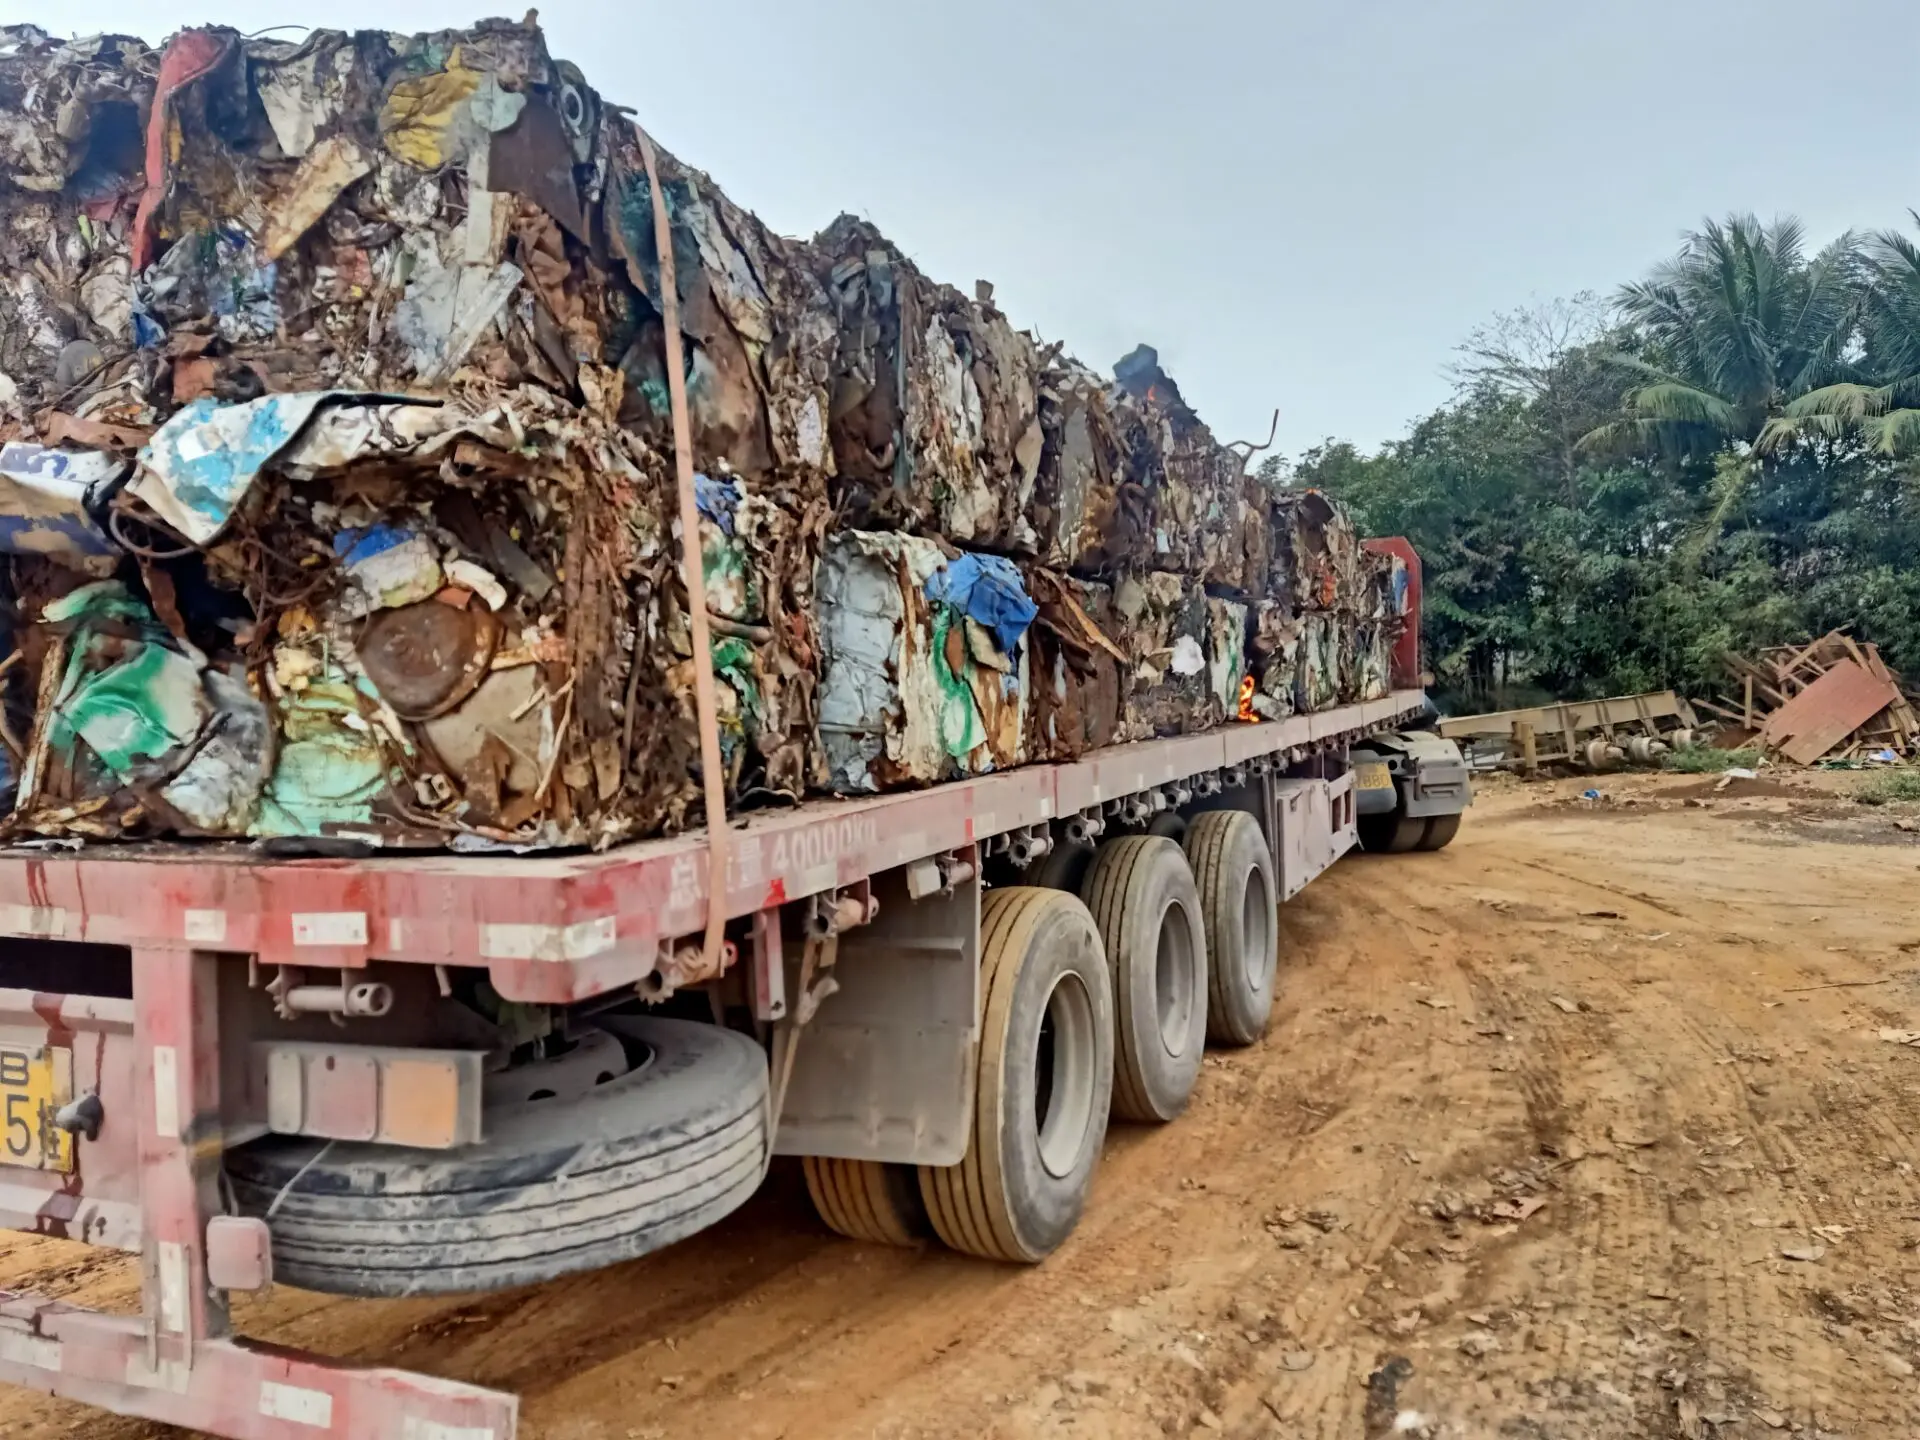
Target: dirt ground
{"points": [[1583, 1128]]}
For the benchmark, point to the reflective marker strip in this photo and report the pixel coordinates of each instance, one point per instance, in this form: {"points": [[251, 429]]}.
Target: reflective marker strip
{"points": [[301, 1406], [206, 927], [43, 922], [166, 1092], [173, 1287], [331, 927], [416, 1429], [17, 1348], [557, 943]]}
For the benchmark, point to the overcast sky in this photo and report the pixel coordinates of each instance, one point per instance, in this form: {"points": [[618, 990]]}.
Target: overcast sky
{"points": [[1301, 205]]}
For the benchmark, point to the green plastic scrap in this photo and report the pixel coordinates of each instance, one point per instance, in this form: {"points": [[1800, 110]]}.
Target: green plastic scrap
{"points": [[138, 709], [329, 772], [961, 729]]}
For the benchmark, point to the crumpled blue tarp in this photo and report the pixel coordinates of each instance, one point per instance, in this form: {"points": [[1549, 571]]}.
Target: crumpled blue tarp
{"points": [[718, 499], [987, 590]]}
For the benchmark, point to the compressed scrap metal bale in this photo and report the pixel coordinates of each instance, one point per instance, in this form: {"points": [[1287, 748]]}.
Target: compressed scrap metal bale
{"points": [[1164, 627], [1274, 660], [1208, 522], [935, 415], [459, 621], [1093, 510], [475, 636], [1382, 616], [1079, 672], [1315, 553], [925, 662]]}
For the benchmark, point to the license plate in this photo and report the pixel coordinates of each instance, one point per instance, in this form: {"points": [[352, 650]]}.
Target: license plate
{"points": [[1372, 775], [33, 1085]]}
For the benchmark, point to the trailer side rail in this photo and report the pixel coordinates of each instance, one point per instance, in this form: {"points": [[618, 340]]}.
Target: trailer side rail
{"points": [[554, 929]]}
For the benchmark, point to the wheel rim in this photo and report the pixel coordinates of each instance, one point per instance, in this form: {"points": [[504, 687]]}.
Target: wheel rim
{"points": [[1063, 1075], [1256, 926], [1175, 969]]}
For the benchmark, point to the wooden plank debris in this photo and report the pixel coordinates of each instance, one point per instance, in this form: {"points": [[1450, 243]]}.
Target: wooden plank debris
{"points": [[1830, 698]]}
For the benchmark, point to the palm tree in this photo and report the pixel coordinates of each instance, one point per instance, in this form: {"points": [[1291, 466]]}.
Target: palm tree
{"points": [[1735, 328], [1885, 413]]}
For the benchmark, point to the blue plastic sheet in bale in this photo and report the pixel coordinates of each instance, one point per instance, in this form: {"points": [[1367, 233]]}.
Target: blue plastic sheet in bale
{"points": [[913, 688], [46, 501], [199, 467]]}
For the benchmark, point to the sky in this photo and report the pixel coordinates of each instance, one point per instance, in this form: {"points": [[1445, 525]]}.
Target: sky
{"points": [[1302, 206]]}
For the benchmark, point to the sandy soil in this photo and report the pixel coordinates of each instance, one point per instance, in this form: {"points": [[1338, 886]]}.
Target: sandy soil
{"points": [[1583, 1128]]}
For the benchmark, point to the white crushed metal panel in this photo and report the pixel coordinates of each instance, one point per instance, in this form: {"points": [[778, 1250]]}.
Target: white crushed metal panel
{"points": [[556, 943], [297, 1404], [330, 927]]}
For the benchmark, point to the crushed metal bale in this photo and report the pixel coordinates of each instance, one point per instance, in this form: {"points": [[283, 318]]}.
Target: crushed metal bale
{"points": [[336, 496]]}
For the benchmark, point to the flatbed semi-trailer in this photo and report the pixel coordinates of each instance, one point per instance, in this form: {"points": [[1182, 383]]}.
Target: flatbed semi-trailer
{"points": [[390, 1075]]}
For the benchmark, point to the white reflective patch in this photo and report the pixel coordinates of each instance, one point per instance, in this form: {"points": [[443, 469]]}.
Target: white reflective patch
{"points": [[173, 1287], [580, 941], [18, 1348], [985, 824], [412, 1428], [166, 1092], [44, 922], [206, 927], [395, 929], [330, 927], [292, 1402]]}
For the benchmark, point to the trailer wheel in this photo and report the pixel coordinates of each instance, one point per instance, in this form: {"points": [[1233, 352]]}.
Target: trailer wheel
{"points": [[1393, 834], [1170, 824], [1143, 899], [1233, 868], [570, 1181], [866, 1200], [1043, 1084], [1440, 832], [1064, 868]]}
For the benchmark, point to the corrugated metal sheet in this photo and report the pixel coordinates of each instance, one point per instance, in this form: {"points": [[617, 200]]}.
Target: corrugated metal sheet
{"points": [[1826, 712]]}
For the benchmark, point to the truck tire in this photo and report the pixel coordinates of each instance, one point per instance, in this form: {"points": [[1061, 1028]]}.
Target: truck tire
{"points": [[1239, 899], [1064, 868], [1044, 1081], [1393, 834], [1143, 899], [866, 1200], [559, 1185], [1440, 832]]}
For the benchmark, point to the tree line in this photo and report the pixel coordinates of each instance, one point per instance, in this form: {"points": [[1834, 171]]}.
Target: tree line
{"points": [[1722, 455]]}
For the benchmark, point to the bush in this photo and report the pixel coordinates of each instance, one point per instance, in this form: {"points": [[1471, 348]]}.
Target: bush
{"points": [[1703, 760], [1888, 786]]}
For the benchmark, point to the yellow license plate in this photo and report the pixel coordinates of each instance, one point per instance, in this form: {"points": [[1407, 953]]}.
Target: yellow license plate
{"points": [[33, 1085], [1373, 775]]}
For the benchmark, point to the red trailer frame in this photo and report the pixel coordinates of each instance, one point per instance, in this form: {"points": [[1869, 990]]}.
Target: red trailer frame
{"points": [[554, 930]]}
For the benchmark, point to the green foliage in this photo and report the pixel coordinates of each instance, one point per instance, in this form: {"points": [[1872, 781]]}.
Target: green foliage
{"points": [[1613, 501], [1889, 786], [1704, 760]]}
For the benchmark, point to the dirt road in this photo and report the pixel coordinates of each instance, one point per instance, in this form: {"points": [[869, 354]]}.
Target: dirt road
{"points": [[1556, 1135]]}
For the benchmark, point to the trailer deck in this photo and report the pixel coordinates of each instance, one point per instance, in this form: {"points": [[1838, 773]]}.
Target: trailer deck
{"points": [[548, 928]]}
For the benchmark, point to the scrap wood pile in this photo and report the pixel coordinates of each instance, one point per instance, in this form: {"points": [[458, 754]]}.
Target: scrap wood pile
{"points": [[336, 493], [1833, 698]]}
